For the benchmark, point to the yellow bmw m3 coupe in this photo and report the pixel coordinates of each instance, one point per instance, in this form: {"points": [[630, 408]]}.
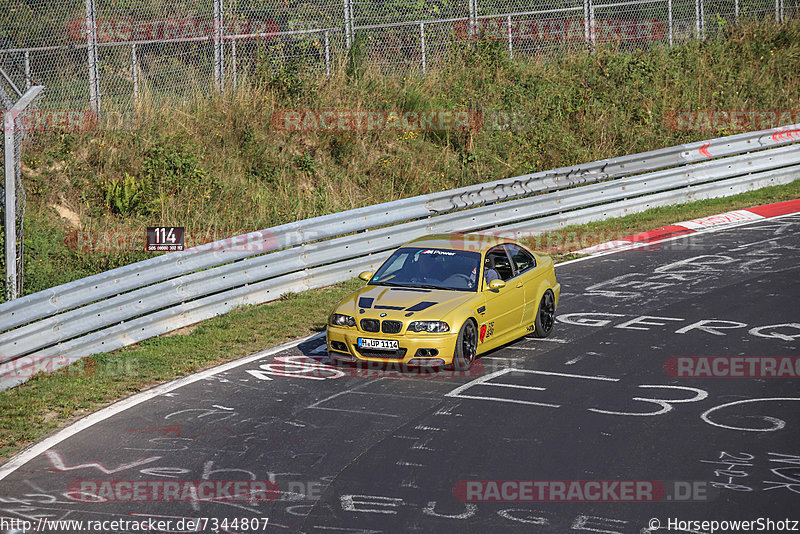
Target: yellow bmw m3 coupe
{"points": [[442, 300]]}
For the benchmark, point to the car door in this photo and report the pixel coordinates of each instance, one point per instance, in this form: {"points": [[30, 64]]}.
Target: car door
{"points": [[504, 306], [528, 275]]}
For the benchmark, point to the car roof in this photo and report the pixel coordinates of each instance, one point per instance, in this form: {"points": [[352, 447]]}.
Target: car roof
{"points": [[459, 241]]}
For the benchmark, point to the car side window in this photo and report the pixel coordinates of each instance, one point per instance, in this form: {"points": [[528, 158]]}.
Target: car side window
{"points": [[497, 263], [396, 266], [521, 258]]}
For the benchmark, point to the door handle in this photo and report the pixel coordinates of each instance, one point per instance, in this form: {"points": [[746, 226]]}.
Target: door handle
{"points": [[519, 284]]}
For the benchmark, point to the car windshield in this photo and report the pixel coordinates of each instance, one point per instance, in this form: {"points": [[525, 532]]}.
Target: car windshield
{"points": [[430, 268]]}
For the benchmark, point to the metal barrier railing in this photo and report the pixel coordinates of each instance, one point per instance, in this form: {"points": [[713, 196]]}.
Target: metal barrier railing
{"points": [[145, 299]]}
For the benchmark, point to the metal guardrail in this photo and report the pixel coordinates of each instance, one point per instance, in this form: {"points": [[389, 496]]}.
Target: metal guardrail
{"points": [[135, 302]]}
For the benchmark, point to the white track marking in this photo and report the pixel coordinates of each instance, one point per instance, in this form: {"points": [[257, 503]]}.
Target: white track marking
{"points": [[636, 245], [362, 412], [481, 380], [500, 399], [90, 420], [568, 375], [550, 339], [38, 448], [777, 424], [409, 464], [666, 405], [514, 386]]}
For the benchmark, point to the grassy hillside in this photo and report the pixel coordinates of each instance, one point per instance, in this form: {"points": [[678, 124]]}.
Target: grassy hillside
{"points": [[219, 167]]}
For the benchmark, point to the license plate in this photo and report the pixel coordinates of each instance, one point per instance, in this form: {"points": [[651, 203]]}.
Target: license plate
{"points": [[379, 344]]}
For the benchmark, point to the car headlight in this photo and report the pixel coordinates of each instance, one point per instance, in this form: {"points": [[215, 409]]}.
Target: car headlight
{"points": [[429, 326], [338, 319]]}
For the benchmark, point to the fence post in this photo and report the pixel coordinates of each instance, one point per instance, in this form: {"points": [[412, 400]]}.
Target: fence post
{"points": [[91, 41], [702, 20], [135, 71], [697, 18], [348, 25], [736, 11], [218, 68], [233, 63], [473, 18], [11, 169], [510, 45], [10, 206], [27, 69], [422, 47], [586, 37], [592, 33], [327, 53], [669, 21]]}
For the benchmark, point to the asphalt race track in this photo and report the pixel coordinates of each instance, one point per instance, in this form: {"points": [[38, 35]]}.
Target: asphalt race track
{"points": [[373, 451]]}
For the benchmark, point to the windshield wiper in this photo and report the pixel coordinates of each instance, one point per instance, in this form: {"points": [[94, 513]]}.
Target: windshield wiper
{"points": [[425, 286]]}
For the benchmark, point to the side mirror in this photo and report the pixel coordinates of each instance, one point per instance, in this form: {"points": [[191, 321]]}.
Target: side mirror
{"points": [[497, 284], [366, 275]]}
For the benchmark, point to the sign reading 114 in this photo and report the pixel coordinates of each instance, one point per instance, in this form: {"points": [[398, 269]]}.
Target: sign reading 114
{"points": [[164, 238]]}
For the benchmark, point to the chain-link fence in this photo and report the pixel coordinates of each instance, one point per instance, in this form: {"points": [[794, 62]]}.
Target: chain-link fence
{"points": [[108, 53], [19, 120]]}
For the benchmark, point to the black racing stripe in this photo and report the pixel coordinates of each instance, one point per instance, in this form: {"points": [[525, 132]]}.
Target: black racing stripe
{"points": [[389, 308], [365, 302], [424, 305]]}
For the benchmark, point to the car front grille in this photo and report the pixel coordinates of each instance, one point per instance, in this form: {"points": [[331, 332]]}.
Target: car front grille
{"points": [[370, 325], [391, 327], [390, 354]]}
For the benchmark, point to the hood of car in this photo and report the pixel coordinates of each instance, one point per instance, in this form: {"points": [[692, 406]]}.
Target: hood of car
{"points": [[403, 303]]}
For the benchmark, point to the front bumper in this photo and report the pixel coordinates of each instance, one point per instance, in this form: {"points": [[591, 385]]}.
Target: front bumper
{"points": [[415, 349]]}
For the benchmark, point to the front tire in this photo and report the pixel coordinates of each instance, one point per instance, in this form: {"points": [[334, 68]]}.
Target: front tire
{"points": [[466, 347], [546, 315]]}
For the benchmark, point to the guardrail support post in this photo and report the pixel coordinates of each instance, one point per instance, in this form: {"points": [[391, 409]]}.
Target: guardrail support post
{"points": [[135, 71], [327, 53], [91, 41], [422, 47]]}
